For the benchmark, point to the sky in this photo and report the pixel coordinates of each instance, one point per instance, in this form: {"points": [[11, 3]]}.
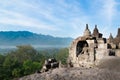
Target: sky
{"points": [[60, 18]]}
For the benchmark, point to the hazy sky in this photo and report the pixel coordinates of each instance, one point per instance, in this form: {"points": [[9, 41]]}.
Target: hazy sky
{"points": [[64, 18]]}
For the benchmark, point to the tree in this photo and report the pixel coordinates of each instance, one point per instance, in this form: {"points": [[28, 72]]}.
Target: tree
{"points": [[2, 58], [14, 60], [2, 69], [62, 55], [26, 60], [9, 65], [16, 72], [30, 67], [24, 52]]}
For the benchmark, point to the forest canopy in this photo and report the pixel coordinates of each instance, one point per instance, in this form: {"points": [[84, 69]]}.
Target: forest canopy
{"points": [[26, 60]]}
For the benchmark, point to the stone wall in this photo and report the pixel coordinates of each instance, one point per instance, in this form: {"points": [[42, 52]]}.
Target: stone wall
{"points": [[117, 51], [87, 51]]}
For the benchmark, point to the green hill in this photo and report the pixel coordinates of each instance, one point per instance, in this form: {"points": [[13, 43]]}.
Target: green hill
{"points": [[13, 38]]}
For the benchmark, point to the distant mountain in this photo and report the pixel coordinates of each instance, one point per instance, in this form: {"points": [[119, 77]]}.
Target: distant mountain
{"points": [[14, 38]]}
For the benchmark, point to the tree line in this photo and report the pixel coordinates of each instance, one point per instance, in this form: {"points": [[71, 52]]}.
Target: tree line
{"points": [[26, 60]]}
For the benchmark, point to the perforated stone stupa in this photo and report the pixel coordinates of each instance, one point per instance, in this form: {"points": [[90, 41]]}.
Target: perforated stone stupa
{"points": [[89, 49]]}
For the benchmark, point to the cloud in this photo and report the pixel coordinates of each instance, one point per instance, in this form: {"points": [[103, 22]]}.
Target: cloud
{"points": [[109, 9], [14, 18], [104, 13], [56, 16], [59, 17], [108, 13], [26, 14]]}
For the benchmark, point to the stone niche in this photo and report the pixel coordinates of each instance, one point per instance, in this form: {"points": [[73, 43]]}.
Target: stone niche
{"points": [[87, 50], [81, 46]]}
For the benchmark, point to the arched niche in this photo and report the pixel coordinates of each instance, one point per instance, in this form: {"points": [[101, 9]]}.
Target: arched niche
{"points": [[79, 47], [112, 53]]}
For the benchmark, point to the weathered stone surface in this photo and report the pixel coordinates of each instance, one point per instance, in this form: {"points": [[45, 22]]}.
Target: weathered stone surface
{"points": [[117, 38], [118, 34], [87, 31], [88, 50], [96, 33], [75, 74], [51, 63], [107, 69]]}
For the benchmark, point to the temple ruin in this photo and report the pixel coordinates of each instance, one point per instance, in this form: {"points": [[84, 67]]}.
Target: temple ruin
{"points": [[89, 49]]}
